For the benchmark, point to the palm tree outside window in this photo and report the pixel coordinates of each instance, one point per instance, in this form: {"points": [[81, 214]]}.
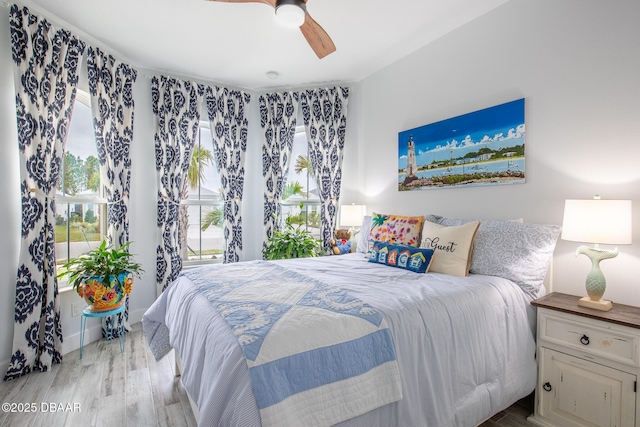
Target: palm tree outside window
{"points": [[202, 206], [300, 201]]}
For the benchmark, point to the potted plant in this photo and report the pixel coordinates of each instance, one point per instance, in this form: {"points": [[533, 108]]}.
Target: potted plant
{"points": [[103, 276], [291, 243]]}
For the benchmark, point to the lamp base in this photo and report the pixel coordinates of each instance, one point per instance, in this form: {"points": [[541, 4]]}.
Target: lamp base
{"points": [[354, 241], [601, 305]]}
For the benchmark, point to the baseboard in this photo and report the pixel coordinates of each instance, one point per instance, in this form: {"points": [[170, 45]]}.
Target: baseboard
{"points": [[93, 333]]}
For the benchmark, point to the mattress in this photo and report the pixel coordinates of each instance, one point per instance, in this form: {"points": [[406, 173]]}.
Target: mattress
{"points": [[465, 345]]}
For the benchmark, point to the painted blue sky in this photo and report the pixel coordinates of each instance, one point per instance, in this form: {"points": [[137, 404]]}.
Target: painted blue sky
{"points": [[496, 126]]}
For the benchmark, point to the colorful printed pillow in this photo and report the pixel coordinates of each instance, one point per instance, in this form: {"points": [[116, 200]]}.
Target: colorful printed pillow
{"points": [[452, 246], [397, 229], [409, 258], [520, 252]]}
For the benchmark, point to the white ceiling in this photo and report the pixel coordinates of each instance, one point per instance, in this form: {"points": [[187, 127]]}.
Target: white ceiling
{"points": [[237, 44]]}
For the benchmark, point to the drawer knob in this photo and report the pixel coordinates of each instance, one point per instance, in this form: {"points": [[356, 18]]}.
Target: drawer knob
{"points": [[584, 340], [546, 386]]}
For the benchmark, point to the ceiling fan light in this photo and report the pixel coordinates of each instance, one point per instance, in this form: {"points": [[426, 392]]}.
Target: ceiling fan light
{"points": [[290, 13]]}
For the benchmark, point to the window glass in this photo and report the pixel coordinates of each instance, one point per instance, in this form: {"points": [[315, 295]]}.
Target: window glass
{"points": [[203, 208], [300, 201], [80, 209]]}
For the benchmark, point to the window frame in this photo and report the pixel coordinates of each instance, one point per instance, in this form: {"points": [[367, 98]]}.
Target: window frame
{"points": [[304, 203], [100, 201]]}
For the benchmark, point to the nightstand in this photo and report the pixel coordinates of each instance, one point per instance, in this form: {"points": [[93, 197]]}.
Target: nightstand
{"points": [[588, 364]]}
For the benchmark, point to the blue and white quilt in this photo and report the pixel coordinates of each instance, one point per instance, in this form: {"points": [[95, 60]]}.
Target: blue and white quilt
{"points": [[316, 355]]}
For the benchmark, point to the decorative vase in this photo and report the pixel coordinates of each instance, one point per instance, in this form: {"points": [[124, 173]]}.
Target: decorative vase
{"points": [[104, 298]]}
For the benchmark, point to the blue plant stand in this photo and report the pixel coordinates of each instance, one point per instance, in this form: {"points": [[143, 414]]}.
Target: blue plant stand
{"points": [[118, 325]]}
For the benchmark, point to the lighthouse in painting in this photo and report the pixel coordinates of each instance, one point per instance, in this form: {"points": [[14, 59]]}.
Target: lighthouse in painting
{"points": [[412, 167]]}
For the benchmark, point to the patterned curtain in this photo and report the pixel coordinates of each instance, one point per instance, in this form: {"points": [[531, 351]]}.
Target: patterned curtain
{"points": [[176, 105], [46, 75], [227, 111], [278, 115], [110, 84], [325, 119]]}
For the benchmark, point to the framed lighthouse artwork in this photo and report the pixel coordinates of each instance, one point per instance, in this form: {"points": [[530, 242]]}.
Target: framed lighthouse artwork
{"points": [[485, 147]]}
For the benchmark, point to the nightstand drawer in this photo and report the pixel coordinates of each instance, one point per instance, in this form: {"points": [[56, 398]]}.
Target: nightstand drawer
{"points": [[590, 338]]}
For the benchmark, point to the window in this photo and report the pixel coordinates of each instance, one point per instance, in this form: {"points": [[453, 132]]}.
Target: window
{"points": [[80, 209], [202, 211], [300, 201]]}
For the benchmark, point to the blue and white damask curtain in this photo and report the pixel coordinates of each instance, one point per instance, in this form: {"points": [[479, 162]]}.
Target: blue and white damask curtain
{"points": [[46, 75], [227, 110], [176, 105], [325, 119], [278, 115], [110, 86]]}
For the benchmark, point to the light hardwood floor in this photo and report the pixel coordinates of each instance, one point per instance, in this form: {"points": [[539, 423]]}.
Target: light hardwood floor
{"points": [[514, 416], [112, 389], [128, 389]]}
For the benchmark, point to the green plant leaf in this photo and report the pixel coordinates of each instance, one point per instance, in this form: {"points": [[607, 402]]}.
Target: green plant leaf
{"points": [[102, 262], [291, 243]]}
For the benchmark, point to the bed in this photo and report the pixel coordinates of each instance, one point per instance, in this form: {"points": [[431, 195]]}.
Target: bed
{"points": [[463, 346]]}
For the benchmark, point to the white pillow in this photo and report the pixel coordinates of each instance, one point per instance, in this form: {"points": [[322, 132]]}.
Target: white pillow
{"points": [[452, 246], [516, 251], [363, 236]]}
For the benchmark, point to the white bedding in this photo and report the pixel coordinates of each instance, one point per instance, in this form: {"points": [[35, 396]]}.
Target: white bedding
{"points": [[465, 345]]}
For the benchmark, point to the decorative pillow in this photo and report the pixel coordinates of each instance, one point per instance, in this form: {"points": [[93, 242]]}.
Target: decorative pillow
{"points": [[407, 257], [452, 246], [519, 252], [363, 237], [440, 219], [397, 229]]}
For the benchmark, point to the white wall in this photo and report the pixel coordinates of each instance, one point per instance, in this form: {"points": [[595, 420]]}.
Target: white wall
{"points": [[9, 194], [577, 64]]}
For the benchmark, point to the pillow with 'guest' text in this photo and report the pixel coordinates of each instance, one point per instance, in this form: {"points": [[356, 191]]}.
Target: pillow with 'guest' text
{"points": [[452, 246]]}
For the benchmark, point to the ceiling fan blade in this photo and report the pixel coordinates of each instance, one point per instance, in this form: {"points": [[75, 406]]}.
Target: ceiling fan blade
{"points": [[317, 37], [269, 2]]}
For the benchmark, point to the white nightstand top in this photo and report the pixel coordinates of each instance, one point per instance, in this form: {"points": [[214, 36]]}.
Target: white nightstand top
{"points": [[620, 314]]}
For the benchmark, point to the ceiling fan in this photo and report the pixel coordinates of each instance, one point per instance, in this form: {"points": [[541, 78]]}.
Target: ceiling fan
{"points": [[295, 12]]}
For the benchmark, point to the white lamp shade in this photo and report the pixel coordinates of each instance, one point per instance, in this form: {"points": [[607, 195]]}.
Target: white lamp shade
{"points": [[351, 215], [597, 221], [290, 15]]}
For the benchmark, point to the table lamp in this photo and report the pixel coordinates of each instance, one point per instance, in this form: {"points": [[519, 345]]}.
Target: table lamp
{"points": [[599, 222], [351, 216]]}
